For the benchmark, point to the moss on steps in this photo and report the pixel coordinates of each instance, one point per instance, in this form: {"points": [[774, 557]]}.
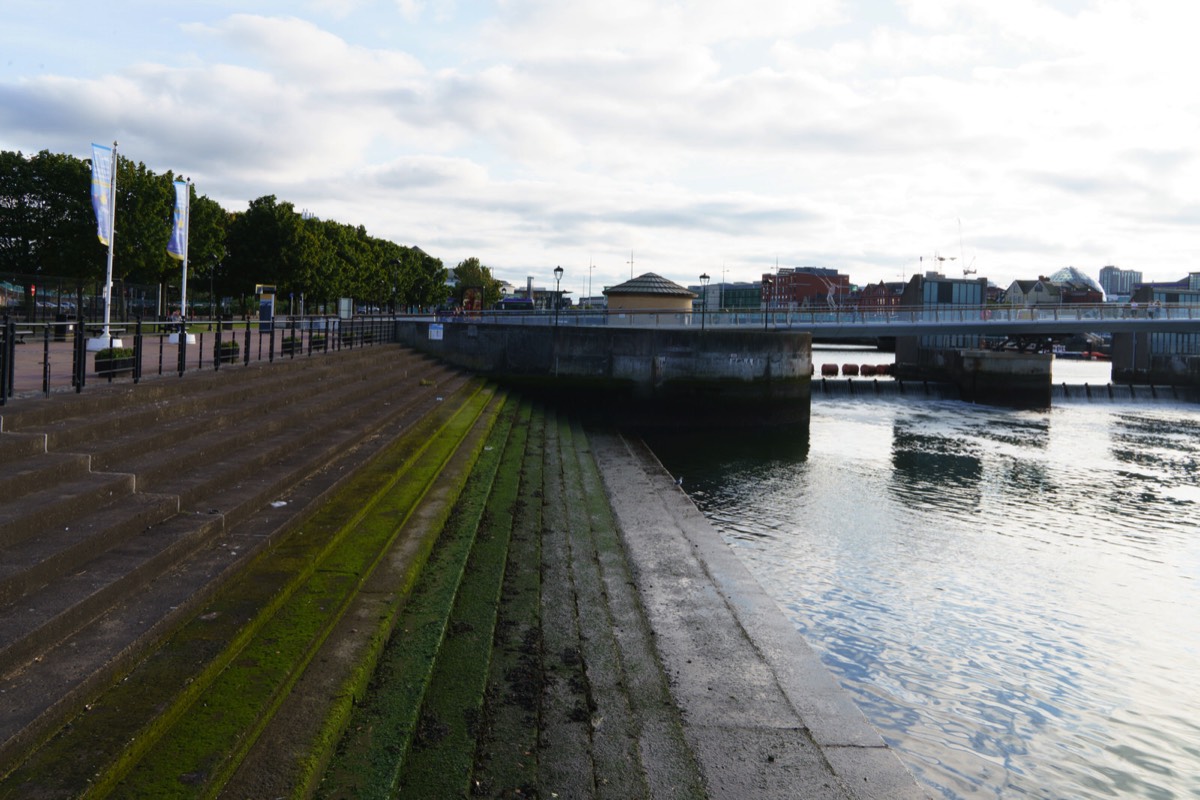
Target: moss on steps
{"points": [[268, 623], [370, 759]]}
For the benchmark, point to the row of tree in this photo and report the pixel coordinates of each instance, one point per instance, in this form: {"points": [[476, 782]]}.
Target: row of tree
{"points": [[48, 230]]}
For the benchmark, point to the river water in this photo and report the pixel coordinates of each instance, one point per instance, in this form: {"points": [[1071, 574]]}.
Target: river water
{"points": [[1010, 596]]}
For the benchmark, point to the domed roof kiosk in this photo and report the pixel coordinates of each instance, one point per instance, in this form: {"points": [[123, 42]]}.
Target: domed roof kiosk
{"points": [[650, 292]]}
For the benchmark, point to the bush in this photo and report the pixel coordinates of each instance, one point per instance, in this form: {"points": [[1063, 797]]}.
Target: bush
{"points": [[110, 353], [114, 361], [226, 351]]}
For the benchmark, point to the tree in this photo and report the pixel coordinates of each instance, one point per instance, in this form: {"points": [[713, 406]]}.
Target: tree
{"points": [[142, 226], [470, 274], [427, 279], [262, 244], [18, 202], [64, 226], [47, 227], [207, 223]]}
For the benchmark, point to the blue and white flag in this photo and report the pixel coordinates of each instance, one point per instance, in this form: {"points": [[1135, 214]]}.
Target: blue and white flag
{"points": [[102, 190], [177, 247]]}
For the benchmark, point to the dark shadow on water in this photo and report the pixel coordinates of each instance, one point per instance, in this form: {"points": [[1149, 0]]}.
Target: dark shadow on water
{"points": [[705, 456]]}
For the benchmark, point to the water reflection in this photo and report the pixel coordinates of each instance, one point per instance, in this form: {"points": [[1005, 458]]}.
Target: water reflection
{"points": [[1008, 595]]}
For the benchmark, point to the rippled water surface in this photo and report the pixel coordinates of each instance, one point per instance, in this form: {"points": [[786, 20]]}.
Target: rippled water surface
{"points": [[1012, 597]]}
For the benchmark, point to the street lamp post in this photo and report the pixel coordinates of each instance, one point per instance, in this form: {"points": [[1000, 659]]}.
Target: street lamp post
{"points": [[558, 273], [704, 300]]}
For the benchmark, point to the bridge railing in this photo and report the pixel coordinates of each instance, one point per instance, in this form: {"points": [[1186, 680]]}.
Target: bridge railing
{"points": [[815, 317]]}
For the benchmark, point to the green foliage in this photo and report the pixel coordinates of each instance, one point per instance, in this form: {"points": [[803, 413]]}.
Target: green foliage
{"points": [[114, 353], [47, 225], [46, 221], [471, 274]]}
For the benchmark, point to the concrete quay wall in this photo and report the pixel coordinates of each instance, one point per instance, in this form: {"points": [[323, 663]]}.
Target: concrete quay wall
{"points": [[655, 376]]}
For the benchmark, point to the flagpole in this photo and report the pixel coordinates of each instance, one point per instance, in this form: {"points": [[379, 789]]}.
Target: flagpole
{"points": [[187, 226], [184, 225], [105, 340]]}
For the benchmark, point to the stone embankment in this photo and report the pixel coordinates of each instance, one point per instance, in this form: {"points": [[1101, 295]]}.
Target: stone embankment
{"points": [[374, 576]]}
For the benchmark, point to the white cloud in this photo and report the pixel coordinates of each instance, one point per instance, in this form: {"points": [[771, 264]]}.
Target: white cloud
{"points": [[694, 135]]}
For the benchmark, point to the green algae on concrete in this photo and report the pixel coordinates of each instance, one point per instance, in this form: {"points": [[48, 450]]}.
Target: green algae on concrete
{"points": [[380, 731], [440, 761], [99, 746], [564, 733], [506, 751], [201, 751], [468, 467]]}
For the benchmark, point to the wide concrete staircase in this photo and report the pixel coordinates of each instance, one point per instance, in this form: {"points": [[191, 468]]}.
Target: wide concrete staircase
{"points": [[126, 508], [368, 576]]}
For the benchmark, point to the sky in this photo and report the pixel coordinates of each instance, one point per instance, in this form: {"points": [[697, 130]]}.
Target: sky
{"points": [[618, 137]]}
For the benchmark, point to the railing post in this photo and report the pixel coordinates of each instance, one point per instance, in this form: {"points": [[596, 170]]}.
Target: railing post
{"points": [[6, 360], [137, 350], [217, 352], [79, 355], [46, 361], [182, 347]]}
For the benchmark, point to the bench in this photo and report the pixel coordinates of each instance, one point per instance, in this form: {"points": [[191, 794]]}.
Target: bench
{"points": [[21, 336]]}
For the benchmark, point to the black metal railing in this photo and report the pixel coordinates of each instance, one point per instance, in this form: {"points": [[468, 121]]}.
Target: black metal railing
{"points": [[38, 358]]}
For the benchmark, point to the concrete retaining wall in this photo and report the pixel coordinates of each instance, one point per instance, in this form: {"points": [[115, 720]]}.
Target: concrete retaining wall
{"points": [[673, 376]]}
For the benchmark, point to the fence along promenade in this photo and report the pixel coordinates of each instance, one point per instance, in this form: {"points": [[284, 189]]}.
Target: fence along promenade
{"points": [[40, 358]]}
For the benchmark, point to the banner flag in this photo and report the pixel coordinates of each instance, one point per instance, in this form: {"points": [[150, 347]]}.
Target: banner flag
{"points": [[177, 246], [102, 177]]}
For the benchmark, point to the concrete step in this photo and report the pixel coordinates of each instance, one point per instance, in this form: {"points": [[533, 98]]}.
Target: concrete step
{"points": [[145, 540], [227, 490], [34, 470], [57, 506], [380, 734], [95, 401], [111, 412], [52, 507], [16, 446], [159, 589], [242, 653], [441, 755]]}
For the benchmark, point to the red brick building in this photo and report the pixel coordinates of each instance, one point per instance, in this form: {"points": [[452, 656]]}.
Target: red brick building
{"points": [[802, 287]]}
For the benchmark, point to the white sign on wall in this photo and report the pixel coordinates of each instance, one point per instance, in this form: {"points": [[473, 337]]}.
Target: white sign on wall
{"points": [[435, 331]]}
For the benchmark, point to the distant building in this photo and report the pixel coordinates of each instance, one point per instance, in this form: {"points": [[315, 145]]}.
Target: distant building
{"points": [[918, 357], [649, 292], [882, 295], [1118, 283], [802, 287], [1040, 292], [1161, 356], [741, 296], [595, 301], [1064, 287], [1076, 287]]}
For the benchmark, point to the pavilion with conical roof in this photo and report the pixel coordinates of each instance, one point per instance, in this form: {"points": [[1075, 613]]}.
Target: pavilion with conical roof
{"points": [[649, 292]]}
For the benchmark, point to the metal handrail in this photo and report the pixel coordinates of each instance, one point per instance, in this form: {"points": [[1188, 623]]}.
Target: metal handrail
{"points": [[842, 316]]}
